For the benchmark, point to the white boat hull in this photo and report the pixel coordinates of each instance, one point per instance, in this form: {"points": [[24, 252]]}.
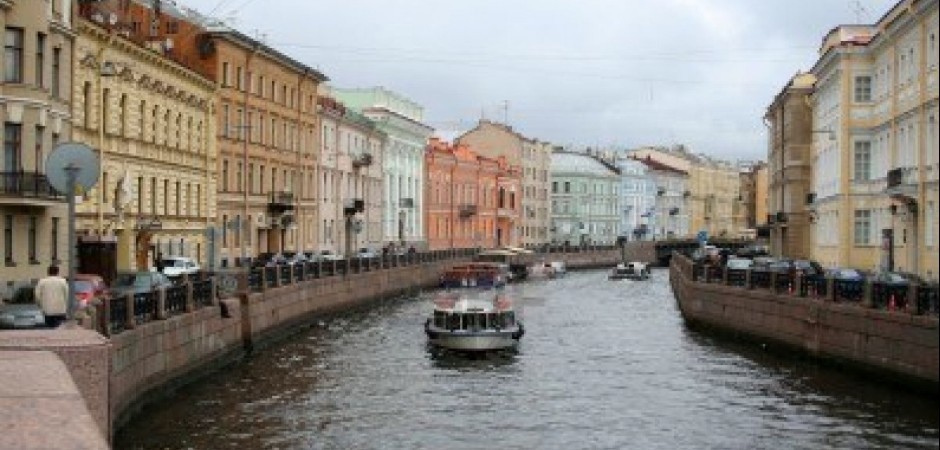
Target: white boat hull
{"points": [[475, 341]]}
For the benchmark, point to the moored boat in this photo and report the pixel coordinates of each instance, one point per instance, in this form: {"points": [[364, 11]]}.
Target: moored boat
{"points": [[476, 322], [475, 275], [630, 271]]}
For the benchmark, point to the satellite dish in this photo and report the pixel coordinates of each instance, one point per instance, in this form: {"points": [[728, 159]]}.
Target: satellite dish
{"points": [[78, 157]]}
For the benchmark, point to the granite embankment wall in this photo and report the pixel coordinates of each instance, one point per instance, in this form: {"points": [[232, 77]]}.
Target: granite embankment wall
{"points": [[117, 375], [899, 346]]}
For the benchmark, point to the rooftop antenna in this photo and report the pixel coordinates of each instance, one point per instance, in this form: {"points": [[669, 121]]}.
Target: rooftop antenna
{"points": [[505, 108], [861, 14]]}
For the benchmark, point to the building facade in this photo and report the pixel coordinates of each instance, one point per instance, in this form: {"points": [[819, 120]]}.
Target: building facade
{"points": [[637, 200], [35, 97], [269, 140], [875, 168], [151, 120], [670, 210], [713, 197], [789, 167], [586, 200], [471, 201], [403, 165], [351, 180], [495, 140]]}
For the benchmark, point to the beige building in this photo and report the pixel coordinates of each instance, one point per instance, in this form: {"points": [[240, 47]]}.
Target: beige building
{"points": [[351, 155], [495, 140], [713, 193], [268, 137], [34, 109], [875, 168], [152, 121], [789, 121]]}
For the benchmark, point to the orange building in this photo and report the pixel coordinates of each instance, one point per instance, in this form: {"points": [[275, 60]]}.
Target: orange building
{"points": [[470, 200]]}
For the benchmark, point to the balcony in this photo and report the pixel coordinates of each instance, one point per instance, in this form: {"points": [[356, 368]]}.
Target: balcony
{"points": [[674, 211], [902, 182], [771, 219], [406, 203], [506, 213], [781, 217], [27, 188], [353, 206], [362, 160], [467, 210], [281, 202], [810, 198]]}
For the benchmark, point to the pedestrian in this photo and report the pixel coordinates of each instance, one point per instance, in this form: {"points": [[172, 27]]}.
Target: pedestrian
{"points": [[52, 293]]}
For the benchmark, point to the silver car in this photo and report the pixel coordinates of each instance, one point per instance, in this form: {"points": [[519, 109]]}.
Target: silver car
{"points": [[22, 311]]}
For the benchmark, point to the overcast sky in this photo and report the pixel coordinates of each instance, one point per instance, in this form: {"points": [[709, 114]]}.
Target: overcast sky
{"points": [[573, 72]]}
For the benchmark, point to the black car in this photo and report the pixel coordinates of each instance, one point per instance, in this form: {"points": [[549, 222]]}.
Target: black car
{"points": [[138, 283], [269, 259]]}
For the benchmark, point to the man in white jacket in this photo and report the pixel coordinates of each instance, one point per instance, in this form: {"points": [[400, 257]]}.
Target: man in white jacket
{"points": [[52, 295]]}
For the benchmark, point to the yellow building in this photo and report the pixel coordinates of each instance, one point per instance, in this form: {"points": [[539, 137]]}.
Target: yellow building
{"points": [[713, 195], [152, 121], [35, 117], [789, 121], [875, 168]]}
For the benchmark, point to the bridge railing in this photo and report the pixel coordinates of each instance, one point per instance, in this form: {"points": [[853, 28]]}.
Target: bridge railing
{"points": [[918, 299]]}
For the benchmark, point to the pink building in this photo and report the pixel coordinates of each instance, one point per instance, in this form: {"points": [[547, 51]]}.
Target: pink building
{"points": [[471, 200]]}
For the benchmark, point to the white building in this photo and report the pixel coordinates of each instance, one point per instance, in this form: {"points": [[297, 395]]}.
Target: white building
{"points": [[638, 200], [403, 165], [670, 212], [585, 199]]}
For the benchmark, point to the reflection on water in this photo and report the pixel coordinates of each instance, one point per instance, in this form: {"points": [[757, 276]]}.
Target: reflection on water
{"points": [[602, 365]]}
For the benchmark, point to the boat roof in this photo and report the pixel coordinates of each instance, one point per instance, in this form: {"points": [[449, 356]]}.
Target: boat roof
{"points": [[501, 252], [518, 250], [462, 304]]}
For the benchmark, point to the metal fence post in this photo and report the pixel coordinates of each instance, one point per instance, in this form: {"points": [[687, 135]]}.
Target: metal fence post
{"points": [[129, 322], [161, 303], [190, 298]]}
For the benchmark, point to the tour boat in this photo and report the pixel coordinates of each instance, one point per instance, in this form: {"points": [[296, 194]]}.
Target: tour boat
{"points": [[475, 275], [475, 322], [630, 271]]}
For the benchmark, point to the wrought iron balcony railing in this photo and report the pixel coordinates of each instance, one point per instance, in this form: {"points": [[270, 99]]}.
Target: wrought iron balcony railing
{"points": [[27, 185]]}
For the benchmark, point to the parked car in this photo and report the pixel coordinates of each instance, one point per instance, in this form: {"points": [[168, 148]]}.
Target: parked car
{"points": [[327, 255], [174, 266], [845, 274], [138, 282], [312, 256], [22, 311], [294, 257], [89, 288], [269, 259], [740, 263], [897, 278], [366, 253]]}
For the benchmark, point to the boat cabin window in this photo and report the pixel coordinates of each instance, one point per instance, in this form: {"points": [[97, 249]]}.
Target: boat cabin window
{"points": [[507, 319], [453, 321], [440, 319]]}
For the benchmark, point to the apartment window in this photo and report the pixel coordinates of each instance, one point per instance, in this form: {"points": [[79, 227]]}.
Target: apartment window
{"points": [[239, 78], [226, 120], [12, 147], [166, 197], [225, 75], [198, 200], [863, 89], [56, 71], [40, 137], [224, 231], [122, 124], [225, 176], [13, 55], [153, 195], [54, 240], [140, 195], [103, 187], [862, 227], [141, 119], [106, 109], [8, 240], [40, 59], [179, 198], [862, 160], [31, 240]]}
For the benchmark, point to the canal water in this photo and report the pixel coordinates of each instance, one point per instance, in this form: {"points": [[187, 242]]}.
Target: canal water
{"points": [[603, 365]]}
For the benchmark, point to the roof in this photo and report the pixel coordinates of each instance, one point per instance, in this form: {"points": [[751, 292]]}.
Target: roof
{"points": [[563, 161], [656, 165]]}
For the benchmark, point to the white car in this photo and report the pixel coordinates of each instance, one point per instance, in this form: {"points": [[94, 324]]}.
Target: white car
{"points": [[174, 266]]}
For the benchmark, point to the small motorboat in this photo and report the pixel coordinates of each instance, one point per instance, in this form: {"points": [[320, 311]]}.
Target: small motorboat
{"points": [[476, 323], [630, 271]]}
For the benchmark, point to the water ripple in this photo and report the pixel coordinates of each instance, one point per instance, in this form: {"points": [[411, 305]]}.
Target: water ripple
{"points": [[604, 365]]}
